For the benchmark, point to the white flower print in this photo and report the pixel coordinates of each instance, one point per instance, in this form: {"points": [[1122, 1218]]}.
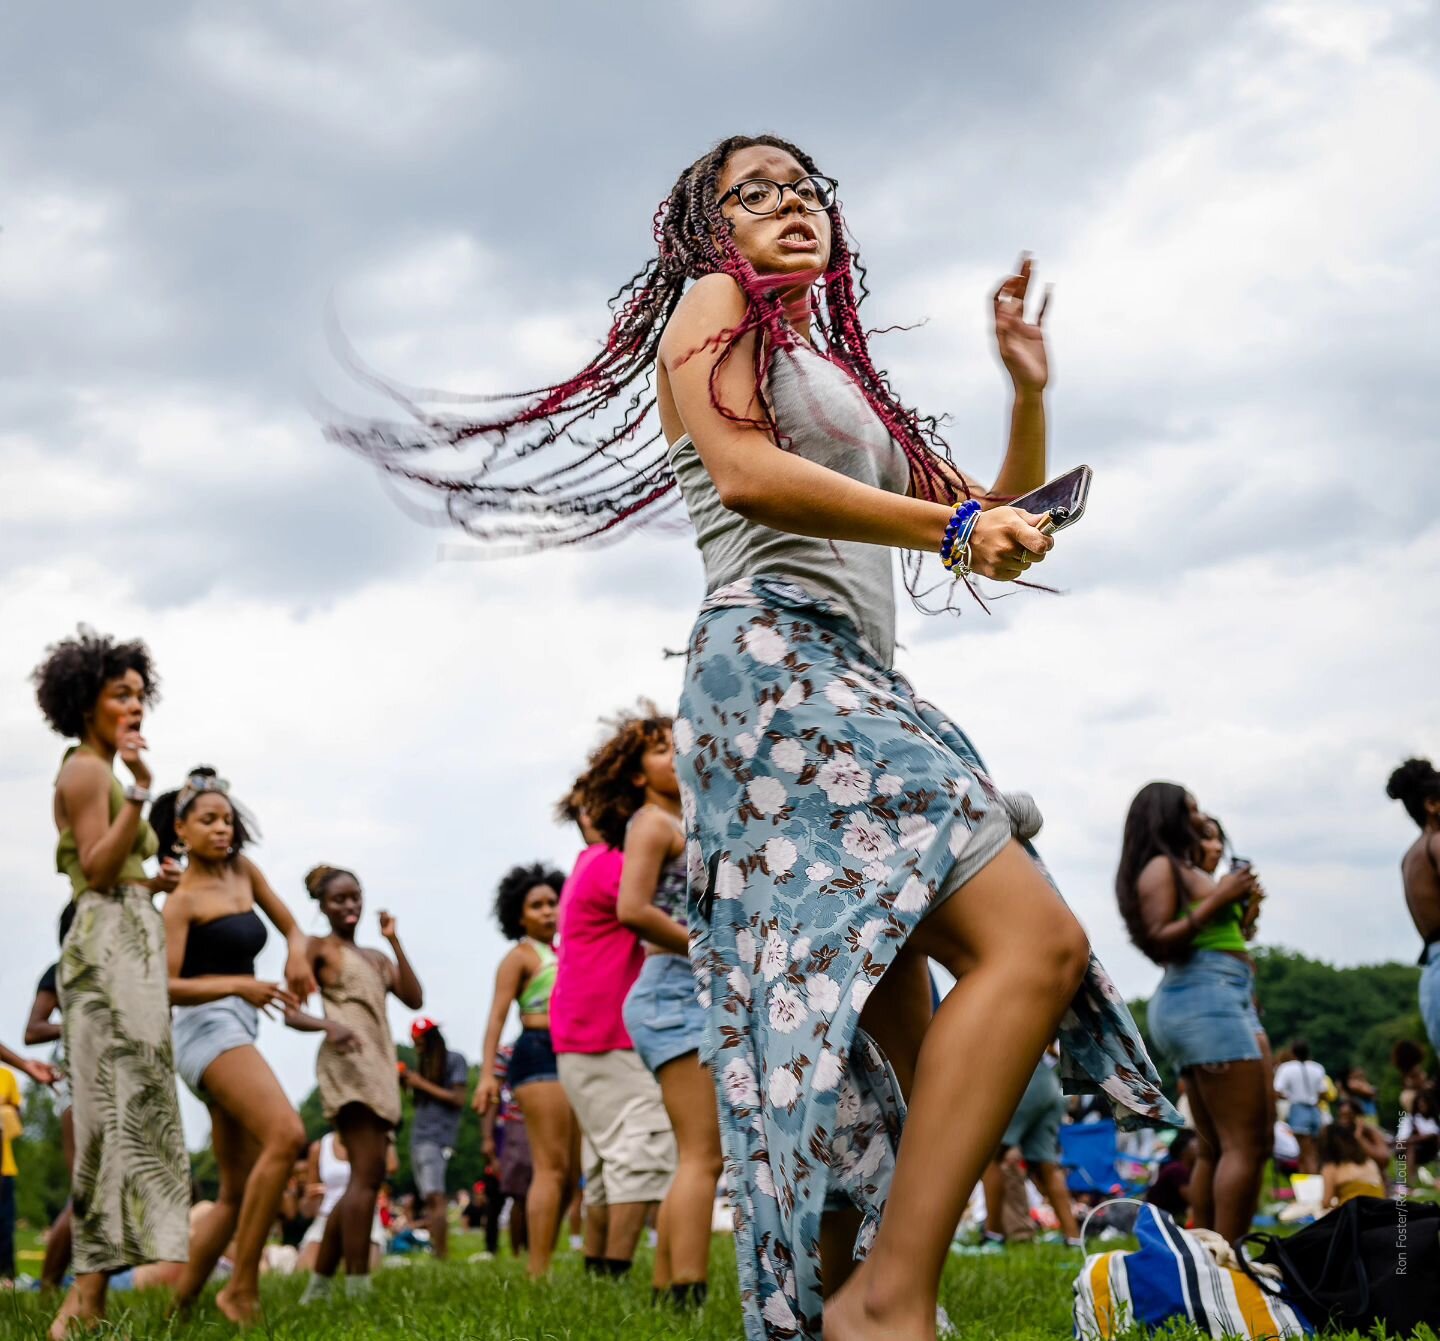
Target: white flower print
{"points": [[844, 781], [827, 1065], [765, 715], [865, 837], [745, 946], [767, 795], [764, 1177], [847, 1106], [913, 896], [739, 984], [824, 993], [778, 1313], [959, 837], [683, 734], [783, 1088], [729, 880], [766, 645], [841, 696], [738, 1079], [869, 1163], [876, 872], [860, 994], [819, 872], [915, 832], [775, 956], [867, 934], [787, 1009], [780, 854], [794, 695], [890, 784], [800, 949], [702, 995], [788, 755], [747, 742]]}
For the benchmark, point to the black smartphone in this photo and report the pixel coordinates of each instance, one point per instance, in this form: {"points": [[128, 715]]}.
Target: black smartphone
{"points": [[1063, 498]]}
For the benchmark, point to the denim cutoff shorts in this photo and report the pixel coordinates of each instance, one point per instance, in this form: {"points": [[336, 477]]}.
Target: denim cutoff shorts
{"points": [[201, 1033], [662, 1014], [1430, 994], [1304, 1119], [1203, 1012], [533, 1059]]}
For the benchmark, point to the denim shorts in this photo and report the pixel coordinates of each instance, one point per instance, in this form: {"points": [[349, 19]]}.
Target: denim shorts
{"points": [[662, 1013], [1430, 994], [1304, 1120], [201, 1033], [1203, 1012], [533, 1059], [427, 1166]]}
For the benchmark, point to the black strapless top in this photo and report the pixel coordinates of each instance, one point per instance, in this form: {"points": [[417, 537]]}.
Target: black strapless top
{"points": [[226, 944]]}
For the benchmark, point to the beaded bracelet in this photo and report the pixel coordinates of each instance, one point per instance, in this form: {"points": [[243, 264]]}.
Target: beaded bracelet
{"points": [[955, 547]]}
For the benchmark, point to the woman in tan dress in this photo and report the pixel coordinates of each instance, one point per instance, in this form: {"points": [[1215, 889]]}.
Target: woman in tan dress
{"points": [[131, 1184], [359, 1087]]}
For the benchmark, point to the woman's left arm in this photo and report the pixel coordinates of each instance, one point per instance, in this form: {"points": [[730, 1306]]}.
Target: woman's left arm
{"points": [[647, 848], [1022, 351], [299, 975], [406, 985]]}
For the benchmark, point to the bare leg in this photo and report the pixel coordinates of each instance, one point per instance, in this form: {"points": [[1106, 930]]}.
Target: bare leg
{"points": [[597, 1230], [624, 1221], [993, 1181], [243, 1085], [437, 1221], [1049, 1178], [660, 1276], [1019, 957], [209, 1234], [347, 1232], [1234, 1095], [689, 1095], [57, 1242], [84, 1304], [519, 1228], [1201, 1192], [549, 1124]]}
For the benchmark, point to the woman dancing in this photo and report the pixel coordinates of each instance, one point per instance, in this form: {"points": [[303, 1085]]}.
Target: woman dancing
{"points": [[634, 803], [438, 1085], [1203, 1015], [1416, 785], [831, 813], [130, 1193], [212, 938], [525, 905], [359, 1087]]}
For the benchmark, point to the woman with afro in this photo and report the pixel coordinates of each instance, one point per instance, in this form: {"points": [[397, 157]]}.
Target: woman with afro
{"points": [[1416, 785], [131, 1184]]}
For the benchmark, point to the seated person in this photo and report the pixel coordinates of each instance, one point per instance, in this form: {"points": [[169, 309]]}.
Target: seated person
{"points": [[1169, 1191], [1347, 1168]]}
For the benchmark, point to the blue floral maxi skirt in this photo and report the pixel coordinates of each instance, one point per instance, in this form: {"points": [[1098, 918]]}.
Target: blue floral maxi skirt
{"points": [[827, 811]]}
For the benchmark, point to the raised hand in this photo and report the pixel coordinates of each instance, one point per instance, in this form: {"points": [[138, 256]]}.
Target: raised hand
{"points": [[130, 745], [1021, 342], [387, 924]]}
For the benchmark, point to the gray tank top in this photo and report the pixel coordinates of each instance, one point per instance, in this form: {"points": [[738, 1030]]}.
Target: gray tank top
{"points": [[827, 420]]}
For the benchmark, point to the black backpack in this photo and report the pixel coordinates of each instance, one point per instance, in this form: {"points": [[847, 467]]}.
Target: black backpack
{"points": [[1368, 1261]]}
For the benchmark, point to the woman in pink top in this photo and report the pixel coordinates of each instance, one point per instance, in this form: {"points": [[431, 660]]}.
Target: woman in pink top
{"points": [[631, 1150]]}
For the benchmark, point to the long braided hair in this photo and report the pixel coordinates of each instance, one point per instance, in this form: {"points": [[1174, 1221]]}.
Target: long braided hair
{"points": [[615, 475]]}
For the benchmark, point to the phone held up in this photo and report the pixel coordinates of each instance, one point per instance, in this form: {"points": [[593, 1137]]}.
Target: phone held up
{"points": [[1063, 498]]}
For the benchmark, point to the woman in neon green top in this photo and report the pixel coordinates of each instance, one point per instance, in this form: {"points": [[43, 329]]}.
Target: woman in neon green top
{"points": [[526, 906], [131, 1185]]}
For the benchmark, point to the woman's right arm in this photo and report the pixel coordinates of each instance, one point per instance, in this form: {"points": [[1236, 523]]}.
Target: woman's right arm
{"points": [[507, 988], [103, 844], [647, 847], [39, 1028], [766, 484], [1161, 896]]}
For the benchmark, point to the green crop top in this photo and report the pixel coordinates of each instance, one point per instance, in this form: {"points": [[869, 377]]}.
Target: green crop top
{"points": [[67, 851], [1223, 932], [535, 999]]}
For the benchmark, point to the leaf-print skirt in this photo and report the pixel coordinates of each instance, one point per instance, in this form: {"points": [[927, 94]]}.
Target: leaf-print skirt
{"points": [[131, 1185], [827, 811]]}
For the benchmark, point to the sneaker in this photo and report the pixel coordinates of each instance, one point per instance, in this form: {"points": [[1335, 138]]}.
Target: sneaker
{"points": [[480, 1257]]}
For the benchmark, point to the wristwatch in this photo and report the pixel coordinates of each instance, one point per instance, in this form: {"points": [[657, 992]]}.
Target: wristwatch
{"points": [[140, 795]]}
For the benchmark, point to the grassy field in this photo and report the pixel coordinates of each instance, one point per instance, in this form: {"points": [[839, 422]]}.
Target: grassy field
{"points": [[1023, 1293]]}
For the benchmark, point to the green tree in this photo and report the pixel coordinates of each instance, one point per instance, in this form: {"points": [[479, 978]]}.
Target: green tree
{"points": [[44, 1182]]}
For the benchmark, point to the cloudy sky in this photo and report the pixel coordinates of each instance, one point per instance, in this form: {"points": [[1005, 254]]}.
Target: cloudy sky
{"points": [[1237, 206]]}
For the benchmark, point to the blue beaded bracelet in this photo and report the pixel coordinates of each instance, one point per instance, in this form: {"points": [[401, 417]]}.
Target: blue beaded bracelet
{"points": [[955, 547]]}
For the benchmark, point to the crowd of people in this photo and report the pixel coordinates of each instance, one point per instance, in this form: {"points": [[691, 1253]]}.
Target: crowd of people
{"points": [[735, 977]]}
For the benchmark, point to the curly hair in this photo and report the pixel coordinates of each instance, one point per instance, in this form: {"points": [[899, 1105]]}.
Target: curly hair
{"points": [[165, 817], [1412, 784], [318, 878], [569, 807], [608, 791], [517, 882], [75, 670]]}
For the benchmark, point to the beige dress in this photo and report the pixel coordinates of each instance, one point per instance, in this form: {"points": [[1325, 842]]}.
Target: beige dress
{"points": [[367, 1074]]}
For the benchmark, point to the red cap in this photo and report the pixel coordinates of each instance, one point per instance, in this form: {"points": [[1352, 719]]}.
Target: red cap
{"points": [[421, 1027]]}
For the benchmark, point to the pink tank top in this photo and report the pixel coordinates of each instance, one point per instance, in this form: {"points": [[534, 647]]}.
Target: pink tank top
{"points": [[599, 958]]}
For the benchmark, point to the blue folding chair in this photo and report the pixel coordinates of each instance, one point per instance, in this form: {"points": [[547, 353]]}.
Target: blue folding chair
{"points": [[1092, 1161]]}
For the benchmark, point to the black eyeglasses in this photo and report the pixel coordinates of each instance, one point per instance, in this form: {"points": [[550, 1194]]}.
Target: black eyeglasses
{"points": [[760, 195]]}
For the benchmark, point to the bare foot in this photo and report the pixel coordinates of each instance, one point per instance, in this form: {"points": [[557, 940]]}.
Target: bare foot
{"points": [[241, 1308], [75, 1313], [852, 1314]]}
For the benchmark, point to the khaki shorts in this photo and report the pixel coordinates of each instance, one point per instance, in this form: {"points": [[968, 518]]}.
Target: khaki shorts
{"points": [[624, 1120]]}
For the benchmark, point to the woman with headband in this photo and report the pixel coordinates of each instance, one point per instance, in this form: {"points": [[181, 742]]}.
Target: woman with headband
{"points": [[213, 936]]}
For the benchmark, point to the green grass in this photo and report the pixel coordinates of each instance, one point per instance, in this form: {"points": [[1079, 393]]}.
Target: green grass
{"points": [[1022, 1294]]}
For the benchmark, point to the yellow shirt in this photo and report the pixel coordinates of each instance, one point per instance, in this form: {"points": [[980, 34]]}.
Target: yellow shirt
{"points": [[9, 1094]]}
